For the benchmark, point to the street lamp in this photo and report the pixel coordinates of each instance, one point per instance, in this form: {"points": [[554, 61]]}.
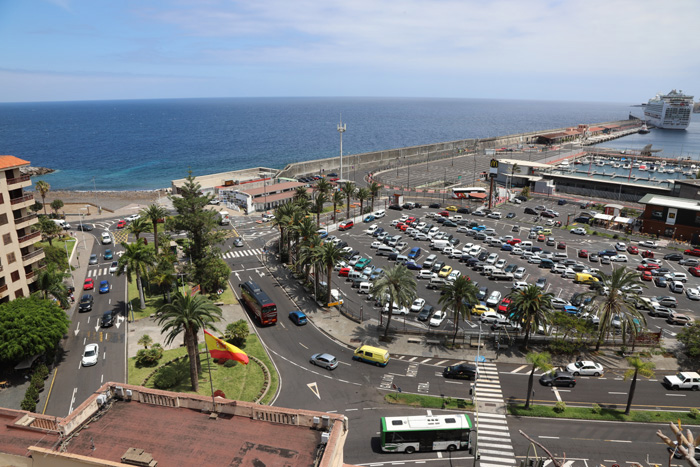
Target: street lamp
{"points": [[341, 130], [82, 230]]}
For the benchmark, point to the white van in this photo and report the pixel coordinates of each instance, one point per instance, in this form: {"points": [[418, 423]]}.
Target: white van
{"points": [[448, 250], [61, 223], [425, 274], [352, 275], [488, 270], [365, 287], [384, 250], [379, 214], [496, 242], [439, 244], [525, 244]]}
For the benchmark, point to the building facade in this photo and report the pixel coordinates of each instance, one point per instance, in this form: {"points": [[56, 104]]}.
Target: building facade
{"points": [[667, 216], [19, 261]]}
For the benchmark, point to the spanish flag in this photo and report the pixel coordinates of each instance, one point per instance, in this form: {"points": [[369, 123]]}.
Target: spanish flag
{"points": [[223, 350]]}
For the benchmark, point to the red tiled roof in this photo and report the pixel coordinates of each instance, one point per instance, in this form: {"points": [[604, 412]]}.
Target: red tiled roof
{"points": [[15, 439], [7, 162]]}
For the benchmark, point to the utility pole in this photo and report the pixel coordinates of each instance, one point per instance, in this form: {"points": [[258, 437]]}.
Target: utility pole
{"points": [[341, 130]]}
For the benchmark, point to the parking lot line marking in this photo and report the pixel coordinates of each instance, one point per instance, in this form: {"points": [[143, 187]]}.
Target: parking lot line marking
{"points": [[618, 440], [426, 360], [412, 358], [441, 362]]}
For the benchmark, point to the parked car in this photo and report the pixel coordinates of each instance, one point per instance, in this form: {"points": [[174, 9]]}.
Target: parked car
{"points": [[438, 318], [585, 368]]}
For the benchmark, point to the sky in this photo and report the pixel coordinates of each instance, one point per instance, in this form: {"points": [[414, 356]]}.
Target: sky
{"points": [[593, 50]]}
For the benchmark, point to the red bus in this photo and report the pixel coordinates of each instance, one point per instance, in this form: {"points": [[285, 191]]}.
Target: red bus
{"points": [[259, 303]]}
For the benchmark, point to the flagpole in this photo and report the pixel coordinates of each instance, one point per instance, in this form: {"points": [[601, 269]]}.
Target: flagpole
{"points": [[211, 381]]}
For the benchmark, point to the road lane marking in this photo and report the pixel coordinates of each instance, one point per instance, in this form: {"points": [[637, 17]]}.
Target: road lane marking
{"points": [[519, 368], [620, 393], [303, 346], [676, 395], [617, 440], [556, 393], [314, 389], [548, 437]]}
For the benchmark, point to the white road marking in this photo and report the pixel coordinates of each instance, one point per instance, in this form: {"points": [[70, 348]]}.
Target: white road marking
{"points": [[620, 393], [556, 393], [519, 368]]}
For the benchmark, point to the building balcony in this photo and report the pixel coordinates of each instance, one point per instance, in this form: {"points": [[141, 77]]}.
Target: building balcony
{"points": [[24, 180], [33, 257], [3, 291], [22, 201], [26, 221], [33, 275], [29, 239]]}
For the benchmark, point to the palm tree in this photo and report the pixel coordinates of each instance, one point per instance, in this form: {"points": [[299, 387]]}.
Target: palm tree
{"points": [[48, 228], [308, 256], [283, 219], [530, 306], [349, 191], [459, 295], [43, 188], [303, 228], [323, 186], [140, 226], [338, 198], [329, 255], [540, 361], [638, 366], [137, 259], [300, 193], [50, 282], [363, 195], [374, 189], [153, 213], [396, 287], [165, 280], [514, 169], [618, 303], [188, 314], [318, 207]]}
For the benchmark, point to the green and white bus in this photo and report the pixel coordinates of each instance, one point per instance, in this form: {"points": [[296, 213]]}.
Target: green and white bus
{"points": [[425, 433]]}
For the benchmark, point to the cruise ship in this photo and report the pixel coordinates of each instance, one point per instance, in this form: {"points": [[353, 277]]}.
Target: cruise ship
{"points": [[669, 111]]}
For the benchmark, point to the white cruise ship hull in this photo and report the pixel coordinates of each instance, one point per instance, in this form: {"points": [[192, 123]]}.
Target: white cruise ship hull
{"points": [[669, 111]]}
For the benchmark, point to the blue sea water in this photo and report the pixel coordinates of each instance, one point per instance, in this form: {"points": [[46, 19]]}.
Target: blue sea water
{"points": [[144, 144]]}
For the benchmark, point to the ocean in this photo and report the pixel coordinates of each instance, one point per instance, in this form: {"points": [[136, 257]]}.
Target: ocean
{"points": [[144, 144]]}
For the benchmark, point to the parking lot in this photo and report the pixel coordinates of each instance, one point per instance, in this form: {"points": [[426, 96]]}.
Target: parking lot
{"points": [[553, 260]]}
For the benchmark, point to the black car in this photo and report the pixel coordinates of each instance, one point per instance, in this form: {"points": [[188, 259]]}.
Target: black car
{"points": [[395, 207], [660, 281], [440, 220], [438, 265], [483, 292], [511, 268], [85, 303], [378, 232], [607, 253], [510, 215], [547, 214], [107, 319], [425, 313], [408, 206], [462, 371], [531, 211], [536, 249], [464, 210], [483, 255], [521, 198], [471, 261], [562, 202], [449, 223], [582, 220], [434, 206], [673, 257], [417, 205], [85, 227], [454, 241], [352, 253], [341, 245], [558, 378]]}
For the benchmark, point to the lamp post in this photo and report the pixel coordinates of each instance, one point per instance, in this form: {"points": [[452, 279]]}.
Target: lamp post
{"points": [[341, 130], [82, 230]]}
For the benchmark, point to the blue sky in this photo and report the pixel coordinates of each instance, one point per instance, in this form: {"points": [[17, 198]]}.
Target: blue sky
{"points": [[593, 50]]}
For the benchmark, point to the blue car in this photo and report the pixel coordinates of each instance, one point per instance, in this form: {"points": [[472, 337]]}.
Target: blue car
{"points": [[322, 233], [298, 317], [378, 232], [410, 264], [378, 272], [414, 253], [572, 310], [104, 287], [506, 247], [369, 218], [108, 254], [479, 228]]}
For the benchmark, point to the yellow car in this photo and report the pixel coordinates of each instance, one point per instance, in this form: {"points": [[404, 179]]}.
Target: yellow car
{"points": [[480, 309], [451, 208], [445, 271]]}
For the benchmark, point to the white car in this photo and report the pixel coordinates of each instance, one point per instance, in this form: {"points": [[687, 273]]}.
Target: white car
{"points": [[426, 274], [418, 305], [646, 261], [500, 264], [516, 251], [132, 217], [693, 293], [396, 310], [535, 259], [619, 258], [494, 299], [585, 368], [113, 267], [453, 276], [376, 244], [346, 250], [520, 285], [647, 244], [90, 355], [558, 303], [495, 215], [558, 268], [463, 229], [676, 287], [438, 318], [491, 317], [403, 218], [106, 238], [421, 225], [620, 246], [379, 214], [578, 231], [493, 257], [519, 273], [371, 229], [568, 274]]}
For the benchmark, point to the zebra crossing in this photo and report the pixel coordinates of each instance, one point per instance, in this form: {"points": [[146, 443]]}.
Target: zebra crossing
{"points": [[99, 271], [242, 253], [493, 436]]}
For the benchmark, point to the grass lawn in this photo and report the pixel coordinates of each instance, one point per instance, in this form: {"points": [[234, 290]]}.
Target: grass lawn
{"points": [[155, 301], [240, 382], [584, 413], [62, 244], [428, 402]]}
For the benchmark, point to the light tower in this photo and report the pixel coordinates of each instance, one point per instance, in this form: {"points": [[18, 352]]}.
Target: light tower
{"points": [[341, 130]]}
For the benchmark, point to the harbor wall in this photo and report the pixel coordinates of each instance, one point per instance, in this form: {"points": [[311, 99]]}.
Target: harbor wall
{"points": [[378, 160]]}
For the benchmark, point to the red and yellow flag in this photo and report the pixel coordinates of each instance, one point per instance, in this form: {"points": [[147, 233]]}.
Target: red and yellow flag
{"points": [[223, 350]]}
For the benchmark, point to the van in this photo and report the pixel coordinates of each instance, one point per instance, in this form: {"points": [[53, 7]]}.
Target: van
{"points": [[429, 261], [490, 231], [354, 275], [439, 244], [369, 354], [365, 287], [560, 257], [496, 242], [61, 223], [384, 250], [546, 263], [583, 278], [488, 270], [525, 244], [379, 214], [402, 259], [436, 282]]}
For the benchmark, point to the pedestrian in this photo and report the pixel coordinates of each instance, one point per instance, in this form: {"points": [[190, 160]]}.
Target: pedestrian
{"points": [[578, 359]]}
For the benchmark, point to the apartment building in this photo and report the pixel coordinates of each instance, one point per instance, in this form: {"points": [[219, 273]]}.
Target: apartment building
{"points": [[19, 258]]}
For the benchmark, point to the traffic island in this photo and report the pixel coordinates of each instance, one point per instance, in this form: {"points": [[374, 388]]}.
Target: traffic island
{"points": [[691, 417]]}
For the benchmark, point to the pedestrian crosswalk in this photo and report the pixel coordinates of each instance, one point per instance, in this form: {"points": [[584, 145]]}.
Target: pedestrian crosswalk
{"points": [[99, 271], [493, 437], [242, 253]]}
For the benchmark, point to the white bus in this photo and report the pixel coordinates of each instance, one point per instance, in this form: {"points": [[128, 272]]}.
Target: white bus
{"points": [[463, 193], [425, 433]]}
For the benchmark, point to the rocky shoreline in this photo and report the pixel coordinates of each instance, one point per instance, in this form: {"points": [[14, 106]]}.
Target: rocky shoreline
{"points": [[35, 171]]}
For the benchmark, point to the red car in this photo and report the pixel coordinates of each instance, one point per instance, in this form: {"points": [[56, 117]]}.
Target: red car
{"points": [[121, 224], [583, 253], [503, 307], [403, 227], [540, 238], [646, 276], [89, 284], [647, 254], [444, 213], [633, 250], [647, 267], [410, 220], [561, 246], [514, 241], [695, 271], [400, 224], [693, 252], [346, 225], [344, 272]]}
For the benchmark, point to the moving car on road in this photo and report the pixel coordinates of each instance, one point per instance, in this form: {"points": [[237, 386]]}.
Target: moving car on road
{"points": [[462, 371], [90, 355], [558, 378], [585, 368], [325, 360]]}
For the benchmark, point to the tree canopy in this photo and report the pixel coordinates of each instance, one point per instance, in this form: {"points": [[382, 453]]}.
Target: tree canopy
{"points": [[30, 326]]}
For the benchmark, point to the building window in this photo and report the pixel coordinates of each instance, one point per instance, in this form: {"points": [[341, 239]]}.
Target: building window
{"points": [[3, 219], [11, 258], [655, 214], [14, 276], [7, 239], [19, 293]]}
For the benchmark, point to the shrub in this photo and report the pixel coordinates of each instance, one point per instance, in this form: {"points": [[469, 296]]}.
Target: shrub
{"points": [[694, 413], [560, 407], [28, 404], [167, 377], [596, 409], [32, 393], [37, 381], [561, 346], [149, 357], [42, 370], [237, 333]]}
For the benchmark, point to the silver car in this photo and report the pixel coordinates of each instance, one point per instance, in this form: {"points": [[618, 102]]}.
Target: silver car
{"points": [[325, 360]]}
